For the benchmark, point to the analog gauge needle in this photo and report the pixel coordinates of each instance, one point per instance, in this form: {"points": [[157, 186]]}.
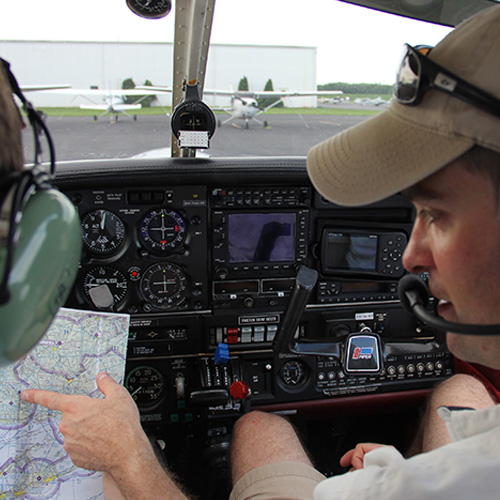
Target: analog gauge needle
{"points": [[136, 391]]}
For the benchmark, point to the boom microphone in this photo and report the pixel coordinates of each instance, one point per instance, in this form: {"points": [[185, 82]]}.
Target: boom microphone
{"points": [[414, 296]]}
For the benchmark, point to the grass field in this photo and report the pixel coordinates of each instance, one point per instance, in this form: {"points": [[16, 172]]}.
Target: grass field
{"points": [[341, 110]]}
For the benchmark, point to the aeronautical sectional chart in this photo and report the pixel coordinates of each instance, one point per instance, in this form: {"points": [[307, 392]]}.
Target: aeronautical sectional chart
{"points": [[33, 462]]}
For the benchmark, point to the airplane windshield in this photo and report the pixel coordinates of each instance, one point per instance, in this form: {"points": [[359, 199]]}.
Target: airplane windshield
{"points": [[340, 58]]}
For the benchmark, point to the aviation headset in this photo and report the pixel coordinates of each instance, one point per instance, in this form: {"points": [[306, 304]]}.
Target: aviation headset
{"points": [[40, 245]]}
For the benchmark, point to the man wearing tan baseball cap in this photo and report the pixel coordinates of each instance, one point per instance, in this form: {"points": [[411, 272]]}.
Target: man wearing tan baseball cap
{"points": [[438, 144]]}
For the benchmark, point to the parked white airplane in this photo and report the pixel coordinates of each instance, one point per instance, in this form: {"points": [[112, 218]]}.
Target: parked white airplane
{"points": [[113, 100], [244, 104], [365, 101]]}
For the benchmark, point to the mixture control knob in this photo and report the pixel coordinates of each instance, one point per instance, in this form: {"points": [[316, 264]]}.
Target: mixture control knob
{"points": [[239, 390]]}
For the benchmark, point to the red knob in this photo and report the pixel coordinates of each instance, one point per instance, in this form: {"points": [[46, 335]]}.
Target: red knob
{"points": [[239, 390]]}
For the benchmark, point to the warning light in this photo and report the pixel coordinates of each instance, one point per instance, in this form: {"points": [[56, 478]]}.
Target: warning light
{"points": [[134, 273]]}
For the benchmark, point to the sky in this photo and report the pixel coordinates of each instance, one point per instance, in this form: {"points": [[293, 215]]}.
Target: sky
{"points": [[353, 44]]}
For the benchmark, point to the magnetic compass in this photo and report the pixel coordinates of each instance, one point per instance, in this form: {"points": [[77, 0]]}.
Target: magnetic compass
{"points": [[150, 9]]}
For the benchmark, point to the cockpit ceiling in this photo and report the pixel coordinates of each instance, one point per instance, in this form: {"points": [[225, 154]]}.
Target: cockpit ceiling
{"points": [[445, 12]]}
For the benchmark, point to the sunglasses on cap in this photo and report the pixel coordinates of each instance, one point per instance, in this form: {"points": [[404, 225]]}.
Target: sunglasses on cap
{"points": [[417, 74]]}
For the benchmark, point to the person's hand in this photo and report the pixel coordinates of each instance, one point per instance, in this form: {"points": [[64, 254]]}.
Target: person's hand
{"points": [[100, 434], [354, 458]]}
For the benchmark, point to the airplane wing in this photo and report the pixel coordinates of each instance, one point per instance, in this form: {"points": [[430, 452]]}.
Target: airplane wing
{"points": [[153, 89], [35, 88], [111, 96], [295, 93], [104, 92], [263, 93], [116, 107]]}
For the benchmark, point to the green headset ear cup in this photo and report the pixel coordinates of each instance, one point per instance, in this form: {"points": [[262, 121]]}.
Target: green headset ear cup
{"points": [[45, 264]]}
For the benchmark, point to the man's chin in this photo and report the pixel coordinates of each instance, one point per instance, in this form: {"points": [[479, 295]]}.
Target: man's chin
{"points": [[458, 346]]}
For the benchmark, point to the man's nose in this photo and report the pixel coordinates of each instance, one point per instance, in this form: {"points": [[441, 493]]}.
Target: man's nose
{"points": [[417, 256]]}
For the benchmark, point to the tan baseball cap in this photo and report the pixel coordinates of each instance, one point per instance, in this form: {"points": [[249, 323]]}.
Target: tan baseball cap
{"points": [[405, 144]]}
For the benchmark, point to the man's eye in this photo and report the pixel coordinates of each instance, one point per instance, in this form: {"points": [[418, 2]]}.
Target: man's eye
{"points": [[428, 216]]}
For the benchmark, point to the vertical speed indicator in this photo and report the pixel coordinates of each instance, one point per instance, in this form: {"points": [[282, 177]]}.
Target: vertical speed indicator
{"points": [[105, 286], [162, 231]]}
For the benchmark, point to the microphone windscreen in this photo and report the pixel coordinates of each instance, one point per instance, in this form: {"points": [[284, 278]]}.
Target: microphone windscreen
{"points": [[413, 283]]}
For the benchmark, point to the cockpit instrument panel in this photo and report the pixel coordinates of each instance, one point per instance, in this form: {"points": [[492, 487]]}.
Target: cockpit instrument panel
{"points": [[203, 254]]}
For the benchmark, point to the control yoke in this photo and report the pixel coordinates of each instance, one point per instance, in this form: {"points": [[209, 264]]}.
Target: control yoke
{"points": [[284, 342]]}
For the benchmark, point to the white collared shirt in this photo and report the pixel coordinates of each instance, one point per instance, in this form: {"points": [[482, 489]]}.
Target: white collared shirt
{"points": [[467, 469]]}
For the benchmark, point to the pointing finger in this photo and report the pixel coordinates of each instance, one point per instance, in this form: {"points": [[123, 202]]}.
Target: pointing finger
{"points": [[51, 400], [106, 384]]}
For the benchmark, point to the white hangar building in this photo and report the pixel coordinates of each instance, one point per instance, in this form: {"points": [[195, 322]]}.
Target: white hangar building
{"points": [[105, 65]]}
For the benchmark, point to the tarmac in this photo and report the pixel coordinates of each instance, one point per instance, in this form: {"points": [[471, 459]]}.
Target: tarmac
{"points": [[285, 135]]}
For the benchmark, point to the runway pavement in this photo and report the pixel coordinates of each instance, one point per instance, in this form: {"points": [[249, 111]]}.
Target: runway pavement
{"points": [[82, 138]]}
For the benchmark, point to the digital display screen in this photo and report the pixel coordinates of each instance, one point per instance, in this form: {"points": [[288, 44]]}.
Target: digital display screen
{"points": [[352, 251], [236, 287], [362, 287], [258, 237]]}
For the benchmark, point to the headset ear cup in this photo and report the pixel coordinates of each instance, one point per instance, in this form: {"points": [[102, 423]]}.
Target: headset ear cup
{"points": [[45, 264]]}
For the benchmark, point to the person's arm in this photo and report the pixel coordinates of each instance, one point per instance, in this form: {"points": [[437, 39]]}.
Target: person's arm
{"points": [[106, 435]]}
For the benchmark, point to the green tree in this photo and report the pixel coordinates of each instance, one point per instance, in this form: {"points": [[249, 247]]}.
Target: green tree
{"points": [[243, 85], [146, 101], [127, 84], [358, 88], [264, 102]]}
